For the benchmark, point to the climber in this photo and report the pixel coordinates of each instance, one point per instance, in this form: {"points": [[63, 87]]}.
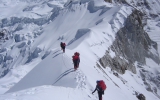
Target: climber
{"points": [[100, 87], [141, 97], [76, 60], [63, 45]]}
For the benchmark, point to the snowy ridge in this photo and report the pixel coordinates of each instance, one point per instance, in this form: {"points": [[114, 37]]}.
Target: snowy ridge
{"points": [[46, 92], [39, 70]]}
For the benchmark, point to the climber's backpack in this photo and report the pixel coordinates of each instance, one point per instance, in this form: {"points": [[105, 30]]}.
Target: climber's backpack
{"points": [[101, 85], [64, 44]]}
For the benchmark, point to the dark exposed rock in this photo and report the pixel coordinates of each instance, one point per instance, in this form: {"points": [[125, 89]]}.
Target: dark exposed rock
{"points": [[148, 86], [18, 38], [120, 1], [110, 1], [4, 60], [147, 77], [156, 80], [155, 90], [132, 44], [141, 97], [21, 45], [4, 72], [1, 34]]}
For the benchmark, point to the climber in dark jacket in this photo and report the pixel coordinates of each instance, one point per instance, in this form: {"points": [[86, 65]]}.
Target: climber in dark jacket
{"points": [[100, 91], [63, 45]]}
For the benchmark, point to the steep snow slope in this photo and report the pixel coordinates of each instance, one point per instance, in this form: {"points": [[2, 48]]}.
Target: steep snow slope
{"points": [[84, 28], [153, 28], [49, 74], [87, 28]]}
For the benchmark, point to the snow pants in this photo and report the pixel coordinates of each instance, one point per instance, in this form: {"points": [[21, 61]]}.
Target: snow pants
{"points": [[63, 48], [100, 95]]}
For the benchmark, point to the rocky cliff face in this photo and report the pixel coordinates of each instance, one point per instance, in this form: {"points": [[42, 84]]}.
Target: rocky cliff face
{"points": [[110, 1], [131, 44], [116, 1]]}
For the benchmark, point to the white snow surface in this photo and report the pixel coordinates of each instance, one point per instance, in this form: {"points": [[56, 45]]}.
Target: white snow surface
{"points": [[53, 77]]}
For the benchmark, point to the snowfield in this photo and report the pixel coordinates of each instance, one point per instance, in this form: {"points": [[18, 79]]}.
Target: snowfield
{"points": [[38, 69]]}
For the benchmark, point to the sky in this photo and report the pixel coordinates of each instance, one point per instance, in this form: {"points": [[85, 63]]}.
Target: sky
{"points": [[40, 70]]}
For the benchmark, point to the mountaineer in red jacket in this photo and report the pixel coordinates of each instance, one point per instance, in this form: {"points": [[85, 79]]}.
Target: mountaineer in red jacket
{"points": [[76, 60]]}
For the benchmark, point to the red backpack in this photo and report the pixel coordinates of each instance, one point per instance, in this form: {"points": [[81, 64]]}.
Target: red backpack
{"points": [[101, 85], [64, 44], [75, 57]]}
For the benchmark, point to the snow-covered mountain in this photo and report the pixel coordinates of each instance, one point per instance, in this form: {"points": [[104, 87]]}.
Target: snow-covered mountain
{"points": [[33, 66]]}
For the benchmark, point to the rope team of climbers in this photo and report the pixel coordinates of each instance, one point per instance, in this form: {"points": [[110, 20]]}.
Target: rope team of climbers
{"points": [[100, 87], [75, 57]]}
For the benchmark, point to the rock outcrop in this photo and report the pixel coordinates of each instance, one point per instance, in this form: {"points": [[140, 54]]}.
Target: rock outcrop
{"points": [[132, 44]]}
